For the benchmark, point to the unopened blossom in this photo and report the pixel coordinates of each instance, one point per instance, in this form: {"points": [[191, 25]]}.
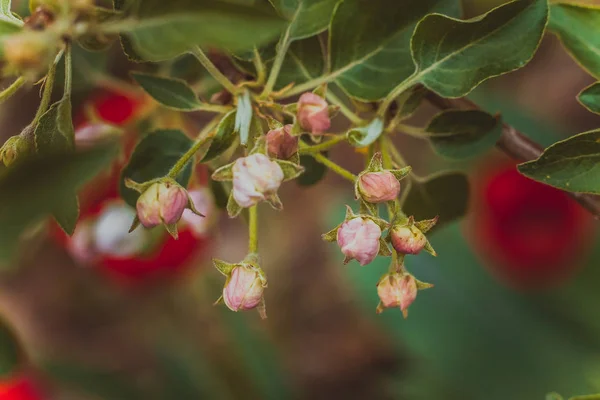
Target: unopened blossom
{"points": [[14, 148], [204, 202], [397, 290], [29, 52], [378, 187], [161, 203], [358, 239], [255, 178], [408, 239], [111, 235], [313, 114], [281, 143], [244, 288]]}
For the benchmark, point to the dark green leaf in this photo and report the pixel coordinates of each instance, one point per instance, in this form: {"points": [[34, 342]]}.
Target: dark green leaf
{"points": [[32, 189], [370, 43], [578, 28], [410, 102], [366, 135], [307, 17], [462, 134], [590, 98], [10, 351], [172, 93], [105, 384], [445, 195], [220, 194], [314, 171], [454, 56], [572, 164], [223, 139], [165, 29], [153, 158], [67, 213]]}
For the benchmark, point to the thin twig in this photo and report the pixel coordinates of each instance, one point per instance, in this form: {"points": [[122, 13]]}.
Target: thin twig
{"points": [[516, 145]]}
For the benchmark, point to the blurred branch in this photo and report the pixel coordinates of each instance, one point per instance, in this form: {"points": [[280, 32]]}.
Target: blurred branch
{"points": [[516, 145]]}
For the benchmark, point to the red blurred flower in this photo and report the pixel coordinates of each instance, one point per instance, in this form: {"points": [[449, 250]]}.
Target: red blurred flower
{"points": [[533, 235], [21, 387]]}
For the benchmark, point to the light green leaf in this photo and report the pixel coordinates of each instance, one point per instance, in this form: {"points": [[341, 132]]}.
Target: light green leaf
{"points": [[370, 43], [453, 56], [366, 135], [578, 28], [164, 29], [307, 17], [28, 195], [153, 157], [9, 23], [445, 195], [590, 98], [223, 139], [572, 164], [172, 93], [243, 117], [462, 134]]}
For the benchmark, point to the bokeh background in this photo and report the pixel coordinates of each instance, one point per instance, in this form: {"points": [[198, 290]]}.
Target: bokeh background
{"points": [[513, 314]]}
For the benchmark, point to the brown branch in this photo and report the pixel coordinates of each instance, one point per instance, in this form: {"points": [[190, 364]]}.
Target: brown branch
{"points": [[516, 145]]}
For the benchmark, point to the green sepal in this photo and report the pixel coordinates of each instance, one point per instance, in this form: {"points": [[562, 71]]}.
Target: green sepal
{"points": [[384, 249], [172, 230], [260, 146], [233, 208], [219, 301], [401, 173], [376, 163], [134, 224], [429, 248], [224, 173], [274, 124], [423, 285], [331, 236], [290, 170], [426, 225], [223, 267], [274, 201]]}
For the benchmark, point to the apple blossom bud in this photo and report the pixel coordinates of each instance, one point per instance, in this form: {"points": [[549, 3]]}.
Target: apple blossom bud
{"points": [[378, 187], [397, 290], [15, 147], [162, 202], [30, 52], [205, 203], [90, 135], [281, 143], [244, 288], [313, 114], [255, 178], [407, 239], [358, 239]]}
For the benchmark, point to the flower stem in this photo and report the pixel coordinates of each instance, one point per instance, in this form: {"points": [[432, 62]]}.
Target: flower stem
{"points": [[213, 70], [326, 145], [347, 112], [47, 93], [398, 90], [282, 48], [12, 89], [320, 158], [308, 85], [253, 229], [261, 73], [204, 136]]}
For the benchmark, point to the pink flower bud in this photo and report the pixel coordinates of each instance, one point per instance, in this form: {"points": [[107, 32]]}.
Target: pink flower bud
{"points": [[162, 202], [378, 187], [244, 288], [408, 239], [359, 239], [397, 290], [254, 178], [281, 143], [313, 114], [204, 202], [93, 134]]}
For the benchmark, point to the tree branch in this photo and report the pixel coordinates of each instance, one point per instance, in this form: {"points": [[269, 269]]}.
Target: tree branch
{"points": [[516, 145]]}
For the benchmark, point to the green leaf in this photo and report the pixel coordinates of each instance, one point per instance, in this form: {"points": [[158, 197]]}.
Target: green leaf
{"points": [[9, 23], [303, 61], [366, 135], [370, 43], [307, 17], [28, 195], [572, 164], [224, 138], [445, 195], [578, 28], [590, 98], [95, 41], [67, 213], [165, 29], [314, 171], [462, 134], [172, 93], [453, 56], [153, 158], [10, 351]]}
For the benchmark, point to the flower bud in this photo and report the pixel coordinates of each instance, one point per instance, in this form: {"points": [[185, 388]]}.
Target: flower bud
{"points": [[162, 202], [397, 290], [110, 234], [255, 178], [378, 187], [281, 143], [204, 202], [358, 239], [29, 52], [407, 239], [313, 113], [90, 135], [14, 148], [244, 288]]}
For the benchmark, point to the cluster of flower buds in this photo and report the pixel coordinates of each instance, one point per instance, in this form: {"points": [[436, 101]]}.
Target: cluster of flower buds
{"points": [[162, 202], [244, 285], [14, 148]]}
